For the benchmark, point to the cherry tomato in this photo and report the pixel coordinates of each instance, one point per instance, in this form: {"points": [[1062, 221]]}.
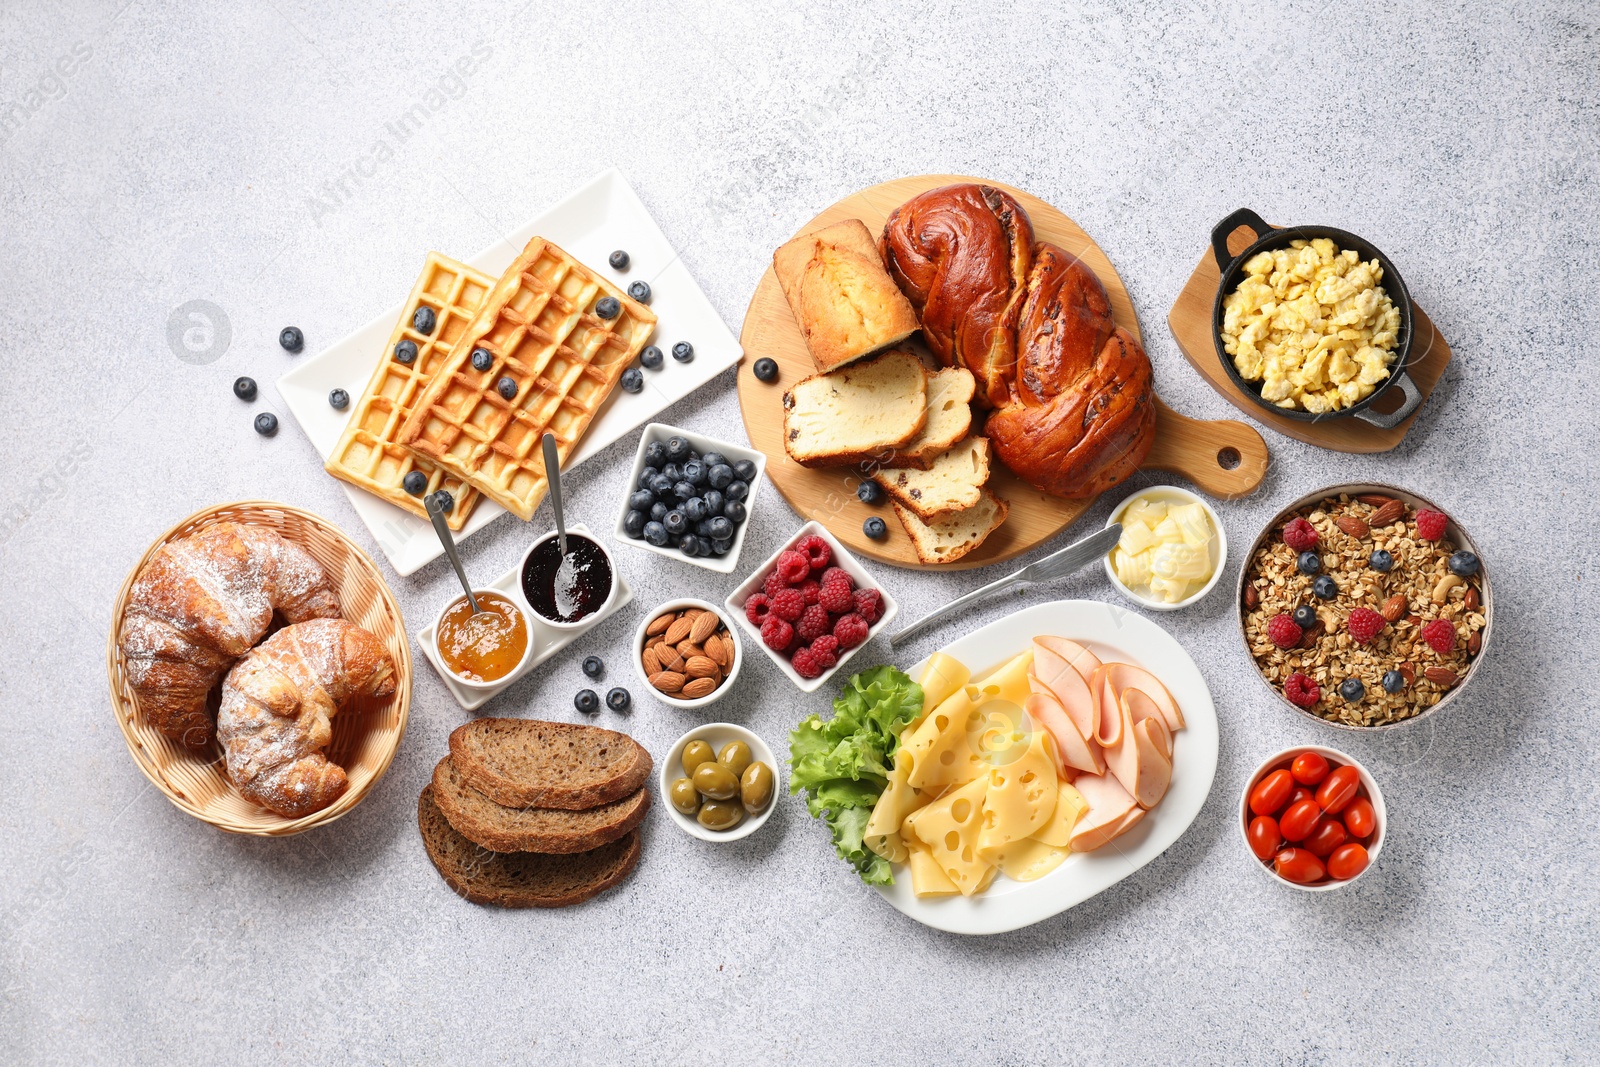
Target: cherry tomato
{"points": [[1298, 865], [1300, 793], [1298, 822], [1338, 789], [1328, 836], [1346, 862], [1309, 768], [1270, 793], [1264, 836], [1360, 817]]}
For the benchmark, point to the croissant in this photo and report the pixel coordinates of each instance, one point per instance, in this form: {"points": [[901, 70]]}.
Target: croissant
{"points": [[277, 707], [1071, 396], [203, 602]]}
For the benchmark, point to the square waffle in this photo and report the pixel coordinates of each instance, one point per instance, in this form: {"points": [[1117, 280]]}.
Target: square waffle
{"points": [[540, 329], [369, 453]]}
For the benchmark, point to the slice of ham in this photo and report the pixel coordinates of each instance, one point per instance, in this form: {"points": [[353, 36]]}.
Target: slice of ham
{"points": [[1075, 752], [1126, 676], [1140, 759], [1062, 681], [1111, 812], [1081, 658], [1108, 722]]}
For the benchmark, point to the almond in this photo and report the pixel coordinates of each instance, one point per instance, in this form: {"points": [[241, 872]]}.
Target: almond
{"points": [[1475, 643], [678, 630], [1409, 673], [652, 665], [1251, 597], [714, 649], [700, 667], [1394, 608], [688, 649], [704, 626], [1312, 635], [1440, 676], [1471, 601], [700, 687], [667, 681], [1388, 514], [670, 660], [659, 624], [1377, 500], [1351, 525]]}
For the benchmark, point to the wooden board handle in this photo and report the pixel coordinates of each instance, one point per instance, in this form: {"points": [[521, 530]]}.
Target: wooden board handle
{"points": [[1224, 457]]}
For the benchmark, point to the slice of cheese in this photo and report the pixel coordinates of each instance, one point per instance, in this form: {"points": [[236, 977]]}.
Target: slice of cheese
{"points": [[1020, 798], [941, 754], [949, 828], [896, 801], [1027, 860], [1070, 806], [927, 880], [940, 678], [1009, 681]]}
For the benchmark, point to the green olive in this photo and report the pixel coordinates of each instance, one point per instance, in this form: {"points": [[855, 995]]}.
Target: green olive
{"points": [[685, 797], [720, 815], [696, 753], [735, 756], [755, 789], [715, 782]]}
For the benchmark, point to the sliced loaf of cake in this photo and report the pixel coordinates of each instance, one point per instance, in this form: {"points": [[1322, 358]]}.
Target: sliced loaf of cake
{"points": [[860, 413]]}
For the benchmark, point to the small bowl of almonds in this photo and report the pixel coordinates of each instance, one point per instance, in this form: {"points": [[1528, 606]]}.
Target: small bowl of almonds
{"points": [[687, 653]]}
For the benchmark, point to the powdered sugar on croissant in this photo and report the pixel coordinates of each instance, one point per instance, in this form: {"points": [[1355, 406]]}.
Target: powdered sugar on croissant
{"points": [[277, 709]]}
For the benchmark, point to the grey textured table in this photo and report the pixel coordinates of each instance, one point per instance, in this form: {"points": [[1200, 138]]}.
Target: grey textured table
{"points": [[252, 156]]}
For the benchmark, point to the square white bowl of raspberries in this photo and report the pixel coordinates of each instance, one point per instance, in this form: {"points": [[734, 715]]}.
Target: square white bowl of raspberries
{"points": [[811, 620]]}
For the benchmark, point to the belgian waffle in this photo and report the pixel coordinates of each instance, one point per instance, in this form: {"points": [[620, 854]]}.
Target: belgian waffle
{"points": [[369, 453], [541, 330]]}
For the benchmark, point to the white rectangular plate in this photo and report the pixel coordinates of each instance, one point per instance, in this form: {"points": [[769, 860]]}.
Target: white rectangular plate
{"points": [[547, 640], [1113, 633], [603, 216]]}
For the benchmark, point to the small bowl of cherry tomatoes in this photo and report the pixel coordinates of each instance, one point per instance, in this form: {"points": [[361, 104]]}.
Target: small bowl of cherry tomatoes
{"points": [[1313, 817]]}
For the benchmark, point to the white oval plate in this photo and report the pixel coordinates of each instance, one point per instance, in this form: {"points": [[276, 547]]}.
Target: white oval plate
{"points": [[1113, 633]]}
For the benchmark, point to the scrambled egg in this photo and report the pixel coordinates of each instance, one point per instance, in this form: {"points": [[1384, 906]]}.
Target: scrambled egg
{"points": [[1312, 324]]}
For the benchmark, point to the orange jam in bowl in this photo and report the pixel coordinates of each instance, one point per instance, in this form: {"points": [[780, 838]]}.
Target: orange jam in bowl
{"points": [[484, 647]]}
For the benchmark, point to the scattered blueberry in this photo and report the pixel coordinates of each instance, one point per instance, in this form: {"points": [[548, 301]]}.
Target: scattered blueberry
{"points": [[406, 351], [482, 359], [633, 524], [745, 470], [736, 490], [1352, 690], [721, 529], [266, 424], [608, 307], [1380, 561], [506, 387], [1325, 587], [869, 492], [640, 291], [641, 500], [291, 339], [713, 500], [1305, 616], [244, 388], [423, 320], [594, 666], [1308, 563], [618, 260], [445, 501], [339, 399], [694, 509], [650, 358], [658, 511], [683, 351], [415, 483], [1463, 564], [875, 528], [765, 370], [655, 454], [618, 699], [587, 701], [675, 522], [694, 472], [1393, 682], [655, 533], [632, 380], [735, 512], [677, 449]]}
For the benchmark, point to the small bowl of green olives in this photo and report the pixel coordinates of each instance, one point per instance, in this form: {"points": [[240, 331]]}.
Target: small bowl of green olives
{"points": [[720, 781]]}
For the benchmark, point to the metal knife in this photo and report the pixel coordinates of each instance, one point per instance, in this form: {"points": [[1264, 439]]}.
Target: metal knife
{"points": [[1052, 566]]}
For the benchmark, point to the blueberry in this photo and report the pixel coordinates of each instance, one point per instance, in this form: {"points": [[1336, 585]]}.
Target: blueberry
{"points": [[1305, 616], [1325, 587], [633, 524], [647, 476], [607, 307], [641, 499], [1308, 563], [1463, 564], [415, 483], [677, 449], [675, 522], [618, 699], [711, 459], [291, 339], [737, 490], [658, 511], [482, 359], [651, 358], [875, 528], [702, 545], [734, 511], [587, 701], [594, 666], [446, 501], [869, 492], [683, 351], [662, 486], [694, 509], [506, 387], [406, 351], [1393, 682], [673, 471], [713, 500], [618, 260], [655, 533], [721, 476], [721, 529], [339, 399], [745, 470], [632, 380], [689, 545], [424, 320], [244, 388], [1352, 690], [266, 424], [1380, 561], [683, 489], [694, 472], [765, 370], [640, 291], [721, 548], [703, 528], [655, 454]]}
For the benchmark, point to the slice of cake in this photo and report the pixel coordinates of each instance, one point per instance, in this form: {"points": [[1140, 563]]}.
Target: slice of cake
{"points": [[954, 536], [949, 418], [954, 482], [861, 413]]}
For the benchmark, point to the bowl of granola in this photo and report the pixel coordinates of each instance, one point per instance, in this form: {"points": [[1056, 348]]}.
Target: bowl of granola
{"points": [[1365, 606]]}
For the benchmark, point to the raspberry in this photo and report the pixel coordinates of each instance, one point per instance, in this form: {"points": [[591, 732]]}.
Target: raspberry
{"points": [[772, 583], [1364, 624], [816, 552], [757, 608], [1431, 524], [776, 633], [814, 623], [788, 604], [1299, 535], [1440, 634], [1301, 690], [825, 650], [806, 665], [1284, 631], [851, 630], [834, 574], [793, 567], [869, 605], [811, 589], [836, 595]]}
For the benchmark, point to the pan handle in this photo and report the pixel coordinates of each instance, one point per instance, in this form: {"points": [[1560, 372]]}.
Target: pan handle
{"points": [[1402, 382], [1219, 234]]}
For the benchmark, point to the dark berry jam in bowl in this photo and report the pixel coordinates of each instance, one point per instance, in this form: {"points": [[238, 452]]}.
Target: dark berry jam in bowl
{"points": [[571, 590]]}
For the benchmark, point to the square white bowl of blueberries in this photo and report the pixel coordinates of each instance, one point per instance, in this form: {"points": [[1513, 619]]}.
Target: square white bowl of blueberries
{"points": [[690, 497]]}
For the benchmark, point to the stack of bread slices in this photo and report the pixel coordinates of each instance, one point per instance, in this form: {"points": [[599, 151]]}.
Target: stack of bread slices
{"points": [[530, 814]]}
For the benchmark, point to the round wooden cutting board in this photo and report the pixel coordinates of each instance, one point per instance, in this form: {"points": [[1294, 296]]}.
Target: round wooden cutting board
{"points": [[1224, 458]]}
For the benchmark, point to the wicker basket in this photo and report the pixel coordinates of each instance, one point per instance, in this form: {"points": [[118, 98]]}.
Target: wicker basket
{"points": [[364, 738]]}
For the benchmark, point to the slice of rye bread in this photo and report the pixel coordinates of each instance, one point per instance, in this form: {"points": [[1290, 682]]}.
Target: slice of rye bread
{"points": [[954, 483], [503, 829], [949, 418], [521, 879], [530, 763], [859, 413], [955, 535]]}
